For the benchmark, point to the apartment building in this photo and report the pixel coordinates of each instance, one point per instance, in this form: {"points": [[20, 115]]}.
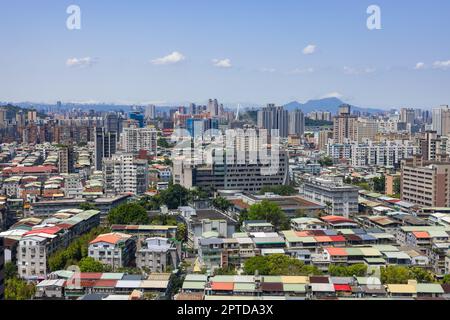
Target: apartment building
{"points": [[158, 255], [37, 244], [124, 174], [338, 198], [345, 125], [135, 139], [425, 183], [114, 249]]}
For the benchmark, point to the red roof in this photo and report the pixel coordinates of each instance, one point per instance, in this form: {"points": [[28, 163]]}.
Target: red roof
{"points": [[30, 170], [421, 234], [48, 230], [222, 286], [342, 287], [337, 251], [105, 283], [90, 275], [337, 238], [323, 239], [336, 219]]}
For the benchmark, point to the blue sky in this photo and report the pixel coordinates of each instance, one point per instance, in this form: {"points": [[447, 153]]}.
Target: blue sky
{"points": [[258, 46]]}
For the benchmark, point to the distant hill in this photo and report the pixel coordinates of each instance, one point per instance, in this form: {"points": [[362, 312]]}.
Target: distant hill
{"points": [[326, 104]]}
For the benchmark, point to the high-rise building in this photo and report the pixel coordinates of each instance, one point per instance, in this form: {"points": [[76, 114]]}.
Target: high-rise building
{"points": [[407, 115], [66, 159], [296, 122], [197, 127], [272, 117], [344, 125], [213, 107], [105, 145], [134, 140], [124, 174], [366, 129], [138, 117], [150, 112], [425, 183], [112, 122]]}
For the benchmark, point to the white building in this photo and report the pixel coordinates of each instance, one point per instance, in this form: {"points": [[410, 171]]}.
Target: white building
{"points": [[158, 254], [114, 249], [135, 139], [124, 174]]}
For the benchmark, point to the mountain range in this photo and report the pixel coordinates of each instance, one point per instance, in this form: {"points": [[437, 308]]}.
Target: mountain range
{"points": [[326, 104]]}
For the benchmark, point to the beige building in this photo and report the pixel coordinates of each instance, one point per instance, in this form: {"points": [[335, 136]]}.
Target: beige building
{"points": [[366, 129], [345, 125], [425, 183]]}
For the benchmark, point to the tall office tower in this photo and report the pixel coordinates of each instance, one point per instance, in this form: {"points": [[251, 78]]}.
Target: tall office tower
{"points": [[2, 270], [344, 125], [66, 159], [440, 120], [105, 145], [124, 174], [407, 115], [326, 116], [58, 106], [272, 117], [192, 109], [431, 145], [213, 107], [296, 122], [112, 122], [221, 110], [197, 127], [134, 140], [150, 112]]}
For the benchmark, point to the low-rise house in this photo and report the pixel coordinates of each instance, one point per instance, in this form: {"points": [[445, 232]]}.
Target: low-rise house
{"points": [[114, 249], [158, 255]]}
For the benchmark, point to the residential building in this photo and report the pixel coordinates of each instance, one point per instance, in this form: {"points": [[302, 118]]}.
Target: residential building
{"points": [[345, 125], [296, 122], [135, 139], [159, 255], [276, 118], [2, 269], [124, 174], [338, 198], [66, 159], [113, 249], [425, 183]]}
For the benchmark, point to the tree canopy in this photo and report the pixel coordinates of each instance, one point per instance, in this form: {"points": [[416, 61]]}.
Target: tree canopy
{"points": [[221, 203], [128, 213], [270, 212], [358, 270], [401, 275], [89, 264], [277, 265]]}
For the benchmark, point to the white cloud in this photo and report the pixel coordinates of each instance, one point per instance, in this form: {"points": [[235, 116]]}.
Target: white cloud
{"points": [[358, 71], [444, 65], [174, 57], [332, 95], [80, 62], [222, 63], [309, 49], [301, 71], [419, 66]]}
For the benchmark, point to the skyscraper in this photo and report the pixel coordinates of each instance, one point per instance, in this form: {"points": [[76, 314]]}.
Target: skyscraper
{"points": [[134, 140], [441, 120], [213, 107], [344, 125], [150, 112], [296, 122], [407, 115], [65, 159], [105, 145], [272, 117]]}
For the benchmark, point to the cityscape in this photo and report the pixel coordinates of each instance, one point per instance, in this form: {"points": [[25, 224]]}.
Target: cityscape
{"points": [[342, 197]]}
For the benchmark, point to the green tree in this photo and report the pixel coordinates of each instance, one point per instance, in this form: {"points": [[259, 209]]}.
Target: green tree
{"points": [[229, 271], [358, 270], [87, 206], [278, 264], [162, 142], [446, 279], [401, 275], [18, 289], [270, 212], [10, 270], [128, 213], [379, 184], [326, 161], [279, 190], [89, 264], [175, 196], [221, 203], [181, 232]]}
